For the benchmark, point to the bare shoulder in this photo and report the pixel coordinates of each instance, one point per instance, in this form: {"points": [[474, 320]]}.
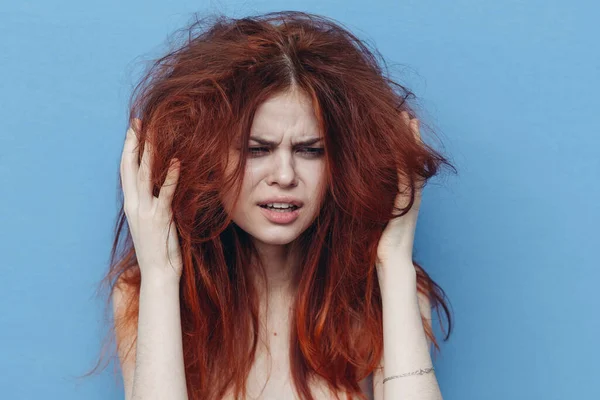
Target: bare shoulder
{"points": [[122, 296]]}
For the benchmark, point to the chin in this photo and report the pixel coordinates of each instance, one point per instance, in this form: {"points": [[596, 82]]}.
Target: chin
{"points": [[270, 235], [275, 238]]}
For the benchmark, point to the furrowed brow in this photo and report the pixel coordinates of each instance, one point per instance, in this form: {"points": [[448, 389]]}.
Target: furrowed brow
{"points": [[306, 142]]}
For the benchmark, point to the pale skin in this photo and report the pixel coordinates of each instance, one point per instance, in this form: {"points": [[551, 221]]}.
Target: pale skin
{"points": [[283, 167]]}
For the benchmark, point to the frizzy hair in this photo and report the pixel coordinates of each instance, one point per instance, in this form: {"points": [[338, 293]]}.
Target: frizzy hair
{"points": [[192, 103]]}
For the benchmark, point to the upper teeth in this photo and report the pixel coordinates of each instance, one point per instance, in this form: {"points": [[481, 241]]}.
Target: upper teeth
{"points": [[279, 205]]}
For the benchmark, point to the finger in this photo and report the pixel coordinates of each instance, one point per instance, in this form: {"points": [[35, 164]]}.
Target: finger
{"points": [[129, 167], [144, 183], [405, 117], [414, 126], [137, 124], [165, 197]]}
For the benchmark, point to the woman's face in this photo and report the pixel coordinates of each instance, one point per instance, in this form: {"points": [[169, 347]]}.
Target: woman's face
{"points": [[285, 166]]}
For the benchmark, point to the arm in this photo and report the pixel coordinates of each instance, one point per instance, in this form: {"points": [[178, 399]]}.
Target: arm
{"points": [[155, 368], [406, 347]]}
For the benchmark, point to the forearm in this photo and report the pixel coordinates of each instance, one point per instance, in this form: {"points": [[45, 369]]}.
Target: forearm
{"points": [[404, 340], [159, 370]]}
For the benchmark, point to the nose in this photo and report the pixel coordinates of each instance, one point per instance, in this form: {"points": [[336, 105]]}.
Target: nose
{"points": [[283, 171]]}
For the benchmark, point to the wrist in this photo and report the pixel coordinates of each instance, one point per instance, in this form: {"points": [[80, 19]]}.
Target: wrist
{"points": [[397, 276], [160, 279]]}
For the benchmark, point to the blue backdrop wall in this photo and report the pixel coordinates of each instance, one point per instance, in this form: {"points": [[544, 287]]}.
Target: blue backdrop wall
{"points": [[511, 88]]}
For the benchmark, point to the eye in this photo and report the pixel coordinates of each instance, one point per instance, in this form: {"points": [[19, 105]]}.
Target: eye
{"points": [[313, 151], [256, 151]]}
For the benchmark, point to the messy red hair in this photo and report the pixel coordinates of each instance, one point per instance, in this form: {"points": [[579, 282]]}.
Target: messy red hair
{"points": [[192, 103]]}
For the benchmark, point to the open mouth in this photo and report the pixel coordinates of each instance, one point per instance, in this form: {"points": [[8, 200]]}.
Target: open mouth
{"points": [[280, 209]]}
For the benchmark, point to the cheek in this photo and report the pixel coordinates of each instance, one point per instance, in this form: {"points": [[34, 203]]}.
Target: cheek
{"points": [[317, 179], [245, 186], [246, 198], [254, 171]]}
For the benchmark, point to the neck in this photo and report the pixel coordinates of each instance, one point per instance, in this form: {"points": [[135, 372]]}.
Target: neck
{"points": [[281, 262]]}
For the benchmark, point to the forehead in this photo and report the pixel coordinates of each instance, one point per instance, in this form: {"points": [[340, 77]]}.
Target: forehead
{"points": [[288, 114]]}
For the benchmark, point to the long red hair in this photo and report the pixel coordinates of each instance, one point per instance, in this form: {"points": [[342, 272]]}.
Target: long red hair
{"points": [[192, 103]]}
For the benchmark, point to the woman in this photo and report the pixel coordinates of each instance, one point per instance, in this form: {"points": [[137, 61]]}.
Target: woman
{"points": [[265, 257]]}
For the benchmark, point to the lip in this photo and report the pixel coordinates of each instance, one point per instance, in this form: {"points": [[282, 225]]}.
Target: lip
{"points": [[280, 217], [282, 199]]}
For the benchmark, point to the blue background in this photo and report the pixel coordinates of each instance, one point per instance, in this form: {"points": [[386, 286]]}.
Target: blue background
{"points": [[510, 87]]}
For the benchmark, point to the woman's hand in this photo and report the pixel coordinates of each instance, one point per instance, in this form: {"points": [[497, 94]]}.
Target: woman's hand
{"points": [[396, 242], [149, 218]]}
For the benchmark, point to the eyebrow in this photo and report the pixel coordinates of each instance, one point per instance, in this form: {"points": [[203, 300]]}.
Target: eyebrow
{"points": [[306, 142]]}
